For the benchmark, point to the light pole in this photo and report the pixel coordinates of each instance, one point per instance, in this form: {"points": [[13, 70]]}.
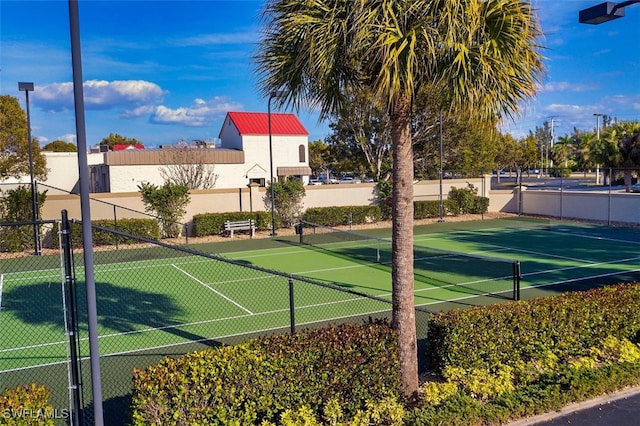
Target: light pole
{"points": [[598, 115], [603, 12], [274, 94], [441, 205], [26, 88]]}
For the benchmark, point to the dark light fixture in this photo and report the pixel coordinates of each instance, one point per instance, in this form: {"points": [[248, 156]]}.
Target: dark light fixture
{"points": [[603, 12]]}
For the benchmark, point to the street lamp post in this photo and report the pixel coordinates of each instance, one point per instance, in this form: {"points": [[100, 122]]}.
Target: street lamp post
{"points": [[598, 115], [275, 94], [441, 208], [603, 12], [26, 88]]}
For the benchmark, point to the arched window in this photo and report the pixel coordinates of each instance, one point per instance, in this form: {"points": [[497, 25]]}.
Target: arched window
{"points": [[301, 153]]}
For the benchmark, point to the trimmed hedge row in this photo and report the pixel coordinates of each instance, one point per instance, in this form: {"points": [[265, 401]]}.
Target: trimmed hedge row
{"points": [[566, 326], [147, 228], [206, 224], [334, 216], [349, 365]]}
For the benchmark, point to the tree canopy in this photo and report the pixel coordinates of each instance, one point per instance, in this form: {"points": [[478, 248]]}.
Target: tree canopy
{"points": [[60, 146], [14, 143], [116, 139]]}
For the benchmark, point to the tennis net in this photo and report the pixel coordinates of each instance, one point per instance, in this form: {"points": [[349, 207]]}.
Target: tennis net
{"points": [[474, 273]]}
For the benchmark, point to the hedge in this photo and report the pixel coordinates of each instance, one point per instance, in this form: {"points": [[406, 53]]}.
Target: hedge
{"points": [[334, 216], [566, 326], [147, 228], [206, 224], [264, 378]]}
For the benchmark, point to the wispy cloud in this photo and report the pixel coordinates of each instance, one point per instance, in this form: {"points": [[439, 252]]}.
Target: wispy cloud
{"points": [[565, 86], [200, 113]]}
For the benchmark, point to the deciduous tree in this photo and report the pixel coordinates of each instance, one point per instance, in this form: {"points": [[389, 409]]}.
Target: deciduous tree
{"points": [[184, 164]]}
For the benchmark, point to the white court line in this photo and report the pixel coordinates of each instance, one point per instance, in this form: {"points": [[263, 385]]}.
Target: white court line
{"points": [[213, 289], [1, 284]]}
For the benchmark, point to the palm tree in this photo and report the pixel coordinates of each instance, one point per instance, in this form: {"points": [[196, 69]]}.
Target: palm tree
{"points": [[481, 54]]}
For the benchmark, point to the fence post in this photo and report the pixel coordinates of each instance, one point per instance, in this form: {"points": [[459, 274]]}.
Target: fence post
{"points": [[292, 307], [71, 324]]}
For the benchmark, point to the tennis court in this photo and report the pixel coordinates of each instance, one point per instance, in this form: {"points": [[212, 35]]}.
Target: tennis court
{"points": [[158, 299]]}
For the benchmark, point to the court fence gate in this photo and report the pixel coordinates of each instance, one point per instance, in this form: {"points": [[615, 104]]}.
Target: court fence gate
{"points": [[153, 300]]}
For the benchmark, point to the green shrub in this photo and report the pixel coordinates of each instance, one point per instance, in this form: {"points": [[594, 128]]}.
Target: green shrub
{"points": [[564, 326], [467, 201], [262, 379], [27, 405], [15, 239], [147, 228], [334, 216], [213, 223]]}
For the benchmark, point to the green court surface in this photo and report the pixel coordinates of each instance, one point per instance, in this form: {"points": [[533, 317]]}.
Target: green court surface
{"points": [[175, 299]]}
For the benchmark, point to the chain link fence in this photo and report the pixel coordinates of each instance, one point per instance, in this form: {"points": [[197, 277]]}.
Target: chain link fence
{"points": [[153, 300]]}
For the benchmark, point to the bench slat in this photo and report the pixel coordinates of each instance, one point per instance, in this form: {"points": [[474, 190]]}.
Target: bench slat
{"points": [[239, 225]]}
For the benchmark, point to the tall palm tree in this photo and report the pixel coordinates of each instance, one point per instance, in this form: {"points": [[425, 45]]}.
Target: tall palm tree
{"points": [[482, 54]]}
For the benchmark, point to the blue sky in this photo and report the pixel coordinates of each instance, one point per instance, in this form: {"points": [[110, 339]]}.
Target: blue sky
{"points": [[162, 71]]}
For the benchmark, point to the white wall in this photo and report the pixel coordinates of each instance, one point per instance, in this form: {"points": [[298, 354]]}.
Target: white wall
{"points": [[62, 170]]}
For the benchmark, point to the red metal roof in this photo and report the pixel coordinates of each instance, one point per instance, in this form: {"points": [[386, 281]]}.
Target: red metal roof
{"points": [[256, 123]]}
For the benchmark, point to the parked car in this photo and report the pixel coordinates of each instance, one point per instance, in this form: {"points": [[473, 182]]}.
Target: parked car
{"points": [[331, 180], [313, 180], [349, 178]]}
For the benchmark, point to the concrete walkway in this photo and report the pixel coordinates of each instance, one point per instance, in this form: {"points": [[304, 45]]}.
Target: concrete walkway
{"points": [[617, 409]]}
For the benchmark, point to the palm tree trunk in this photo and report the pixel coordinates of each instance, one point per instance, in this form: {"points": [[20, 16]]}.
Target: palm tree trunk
{"points": [[402, 256]]}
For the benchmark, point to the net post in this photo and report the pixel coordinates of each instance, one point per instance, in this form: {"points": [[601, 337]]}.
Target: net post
{"points": [[516, 280], [299, 230], [292, 307]]}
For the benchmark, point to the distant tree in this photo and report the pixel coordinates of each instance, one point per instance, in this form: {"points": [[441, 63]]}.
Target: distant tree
{"points": [[184, 164], [14, 145], [361, 135], [60, 146], [623, 139], [288, 197], [319, 157], [168, 203], [116, 139]]}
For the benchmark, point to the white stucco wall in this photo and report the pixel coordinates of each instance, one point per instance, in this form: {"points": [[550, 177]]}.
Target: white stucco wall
{"points": [[62, 168]]}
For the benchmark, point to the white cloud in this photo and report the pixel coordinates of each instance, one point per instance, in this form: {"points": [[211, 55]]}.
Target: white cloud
{"points": [[99, 94], [564, 86], [200, 113]]}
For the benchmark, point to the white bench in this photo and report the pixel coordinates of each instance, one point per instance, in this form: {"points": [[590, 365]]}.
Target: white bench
{"points": [[239, 225]]}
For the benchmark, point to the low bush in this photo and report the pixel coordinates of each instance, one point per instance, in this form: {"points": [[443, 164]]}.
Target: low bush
{"points": [[213, 223], [334, 216], [346, 366], [27, 405], [545, 330], [467, 201], [146, 228]]}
